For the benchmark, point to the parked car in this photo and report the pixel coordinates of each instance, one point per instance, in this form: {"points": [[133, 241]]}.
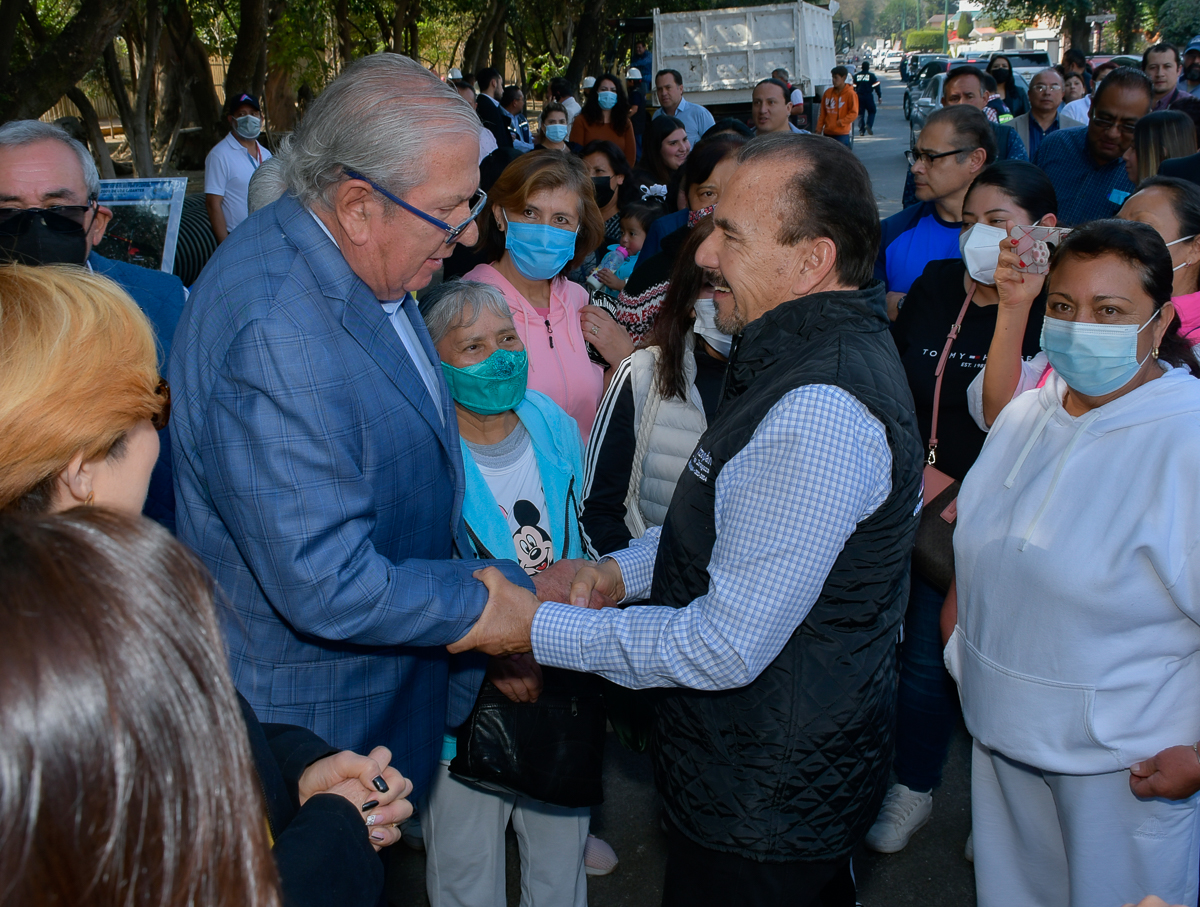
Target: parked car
{"points": [[892, 61], [1097, 60], [1026, 62], [924, 71]]}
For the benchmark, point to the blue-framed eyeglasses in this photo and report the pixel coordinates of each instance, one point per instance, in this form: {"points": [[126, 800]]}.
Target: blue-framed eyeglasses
{"points": [[478, 200]]}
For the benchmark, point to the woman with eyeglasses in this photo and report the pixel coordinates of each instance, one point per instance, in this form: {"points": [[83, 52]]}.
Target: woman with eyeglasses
{"points": [[1076, 637], [80, 402], [541, 221]]}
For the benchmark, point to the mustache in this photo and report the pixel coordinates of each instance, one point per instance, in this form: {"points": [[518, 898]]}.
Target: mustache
{"points": [[716, 279]]}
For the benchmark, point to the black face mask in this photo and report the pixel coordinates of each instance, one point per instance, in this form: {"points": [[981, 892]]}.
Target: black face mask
{"points": [[40, 237], [604, 189]]}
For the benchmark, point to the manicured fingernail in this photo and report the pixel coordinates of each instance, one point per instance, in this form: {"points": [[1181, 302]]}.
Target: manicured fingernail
{"points": [[377, 836], [1021, 263], [380, 784], [371, 820], [369, 805]]}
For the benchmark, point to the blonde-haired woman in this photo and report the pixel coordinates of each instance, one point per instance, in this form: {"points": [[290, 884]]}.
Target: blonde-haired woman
{"points": [[80, 395], [80, 402]]}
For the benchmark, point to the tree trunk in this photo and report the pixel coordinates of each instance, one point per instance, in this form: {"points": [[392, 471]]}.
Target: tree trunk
{"points": [[136, 132], [247, 69], [1076, 27], [279, 92], [345, 38], [91, 122], [200, 104], [589, 36], [393, 31], [500, 51], [480, 40], [1128, 13], [60, 63], [10, 15]]}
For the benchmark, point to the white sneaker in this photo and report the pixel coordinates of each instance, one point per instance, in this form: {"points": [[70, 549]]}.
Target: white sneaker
{"points": [[902, 815], [969, 850]]}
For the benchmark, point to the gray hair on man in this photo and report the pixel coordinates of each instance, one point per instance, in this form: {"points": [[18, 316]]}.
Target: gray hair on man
{"points": [[19, 133], [266, 185], [457, 304], [378, 119]]}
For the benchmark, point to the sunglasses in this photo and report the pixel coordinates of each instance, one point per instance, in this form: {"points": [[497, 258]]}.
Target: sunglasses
{"points": [[160, 419], [60, 218]]}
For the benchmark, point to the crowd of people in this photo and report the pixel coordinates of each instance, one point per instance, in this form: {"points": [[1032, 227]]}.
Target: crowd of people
{"points": [[471, 439]]}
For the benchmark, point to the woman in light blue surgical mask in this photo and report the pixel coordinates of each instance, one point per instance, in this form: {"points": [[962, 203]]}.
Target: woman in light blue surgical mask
{"points": [[605, 117], [542, 221], [927, 708], [523, 461], [553, 127], [1075, 633]]}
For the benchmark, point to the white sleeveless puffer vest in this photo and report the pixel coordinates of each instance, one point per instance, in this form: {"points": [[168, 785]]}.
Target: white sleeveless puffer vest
{"points": [[667, 432]]}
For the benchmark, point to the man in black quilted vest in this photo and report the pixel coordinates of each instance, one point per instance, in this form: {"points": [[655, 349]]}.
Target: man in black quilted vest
{"points": [[778, 582]]}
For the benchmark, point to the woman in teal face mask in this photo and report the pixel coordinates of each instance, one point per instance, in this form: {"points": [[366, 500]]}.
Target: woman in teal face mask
{"points": [[543, 221], [524, 468], [1076, 634], [605, 117]]}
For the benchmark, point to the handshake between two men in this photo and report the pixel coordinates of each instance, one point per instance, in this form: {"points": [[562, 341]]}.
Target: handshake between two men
{"points": [[505, 626]]}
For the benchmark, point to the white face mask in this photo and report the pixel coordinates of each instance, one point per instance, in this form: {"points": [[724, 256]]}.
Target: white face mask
{"points": [[980, 248], [706, 327], [248, 127]]}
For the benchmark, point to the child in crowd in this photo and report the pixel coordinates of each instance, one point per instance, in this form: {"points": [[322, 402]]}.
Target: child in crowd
{"points": [[996, 111], [636, 218]]}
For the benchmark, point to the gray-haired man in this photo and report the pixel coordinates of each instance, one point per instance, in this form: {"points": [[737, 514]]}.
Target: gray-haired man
{"points": [[318, 467], [50, 214]]}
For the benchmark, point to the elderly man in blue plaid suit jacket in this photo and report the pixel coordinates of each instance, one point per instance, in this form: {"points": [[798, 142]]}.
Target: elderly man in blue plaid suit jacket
{"points": [[318, 468]]}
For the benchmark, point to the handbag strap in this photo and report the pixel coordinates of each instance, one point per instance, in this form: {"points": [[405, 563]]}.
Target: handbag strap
{"points": [[940, 372]]}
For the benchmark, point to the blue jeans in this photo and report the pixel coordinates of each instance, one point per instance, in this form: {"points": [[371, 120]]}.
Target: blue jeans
{"points": [[844, 139], [927, 710], [866, 114]]}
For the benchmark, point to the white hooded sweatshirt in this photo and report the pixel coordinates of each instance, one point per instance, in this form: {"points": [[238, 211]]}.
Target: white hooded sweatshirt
{"points": [[1077, 648]]}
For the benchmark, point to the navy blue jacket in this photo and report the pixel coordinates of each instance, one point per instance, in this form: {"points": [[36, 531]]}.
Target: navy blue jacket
{"points": [[161, 296]]}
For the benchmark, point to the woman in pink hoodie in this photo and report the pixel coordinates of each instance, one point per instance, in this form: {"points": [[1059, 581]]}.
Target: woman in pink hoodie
{"points": [[541, 222]]}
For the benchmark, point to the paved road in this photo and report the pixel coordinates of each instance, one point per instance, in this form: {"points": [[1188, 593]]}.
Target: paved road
{"points": [[930, 872], [883, 153]]}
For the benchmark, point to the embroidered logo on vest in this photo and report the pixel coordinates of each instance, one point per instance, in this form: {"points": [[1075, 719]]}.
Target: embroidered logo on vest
{"points": [[700, 464]]}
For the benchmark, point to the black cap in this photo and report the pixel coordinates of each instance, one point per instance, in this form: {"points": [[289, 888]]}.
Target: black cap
{"points": [[243, 98]]}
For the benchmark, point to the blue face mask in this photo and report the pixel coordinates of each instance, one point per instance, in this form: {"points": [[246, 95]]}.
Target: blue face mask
{"points": [[557, 132], [539, 251], [495, 385], [1094, 359], [607, 99]]}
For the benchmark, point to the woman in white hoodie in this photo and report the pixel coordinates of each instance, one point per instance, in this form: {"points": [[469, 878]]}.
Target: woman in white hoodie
{"points": [[1076, 645]]}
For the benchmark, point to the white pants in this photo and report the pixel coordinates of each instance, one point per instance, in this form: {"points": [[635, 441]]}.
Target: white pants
{"points": [[464, 847], [1049, 840]]}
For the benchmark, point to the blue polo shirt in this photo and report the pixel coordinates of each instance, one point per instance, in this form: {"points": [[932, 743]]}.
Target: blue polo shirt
{"points": [[1085, 191], [911, 239]]}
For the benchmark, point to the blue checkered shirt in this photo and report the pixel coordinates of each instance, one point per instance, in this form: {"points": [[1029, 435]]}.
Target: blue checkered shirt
{"points": [[1084, 190], [817, 465]]}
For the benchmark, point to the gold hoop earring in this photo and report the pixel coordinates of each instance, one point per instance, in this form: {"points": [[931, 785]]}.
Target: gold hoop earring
{"points": [[1154, 352]]}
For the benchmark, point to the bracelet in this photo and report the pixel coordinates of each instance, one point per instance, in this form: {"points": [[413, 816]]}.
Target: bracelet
{"points": [[1196, 750]]}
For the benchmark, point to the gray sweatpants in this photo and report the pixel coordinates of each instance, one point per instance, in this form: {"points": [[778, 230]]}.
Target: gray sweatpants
{"points": [[464, 847]]}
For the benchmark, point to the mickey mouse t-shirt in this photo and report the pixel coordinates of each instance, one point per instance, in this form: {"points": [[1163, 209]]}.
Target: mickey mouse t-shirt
{"points": [[511, 472]]}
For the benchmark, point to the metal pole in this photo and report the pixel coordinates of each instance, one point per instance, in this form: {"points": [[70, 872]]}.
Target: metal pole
{"points": [[946, 28]]}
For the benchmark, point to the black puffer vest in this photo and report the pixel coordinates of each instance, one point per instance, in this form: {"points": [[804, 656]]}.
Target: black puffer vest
{"points": [[795, 765]]}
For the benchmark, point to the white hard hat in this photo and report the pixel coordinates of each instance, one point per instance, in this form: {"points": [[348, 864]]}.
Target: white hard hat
{"points": [[455, 73], [633, 73], [588, 82]]}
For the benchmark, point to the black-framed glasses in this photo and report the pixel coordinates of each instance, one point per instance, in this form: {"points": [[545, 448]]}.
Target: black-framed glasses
{"points": [[64, 219], [160, 419], [1106, 124], [926, 158], [477, 202]]}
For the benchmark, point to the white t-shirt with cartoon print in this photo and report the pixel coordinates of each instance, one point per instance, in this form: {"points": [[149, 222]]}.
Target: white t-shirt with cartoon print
{"points": [[511, 472]]}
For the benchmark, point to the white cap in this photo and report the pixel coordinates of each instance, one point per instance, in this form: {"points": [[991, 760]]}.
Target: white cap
{"points": [[633, 73], [455, 73], [588, 82]]}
